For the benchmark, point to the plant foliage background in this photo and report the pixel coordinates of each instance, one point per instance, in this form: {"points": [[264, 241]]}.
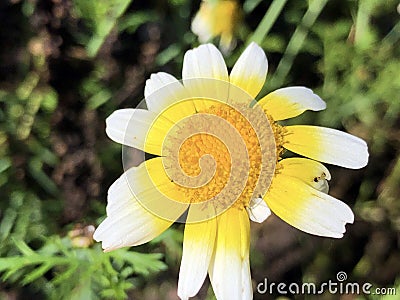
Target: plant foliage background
{"points": [[65, 65]]}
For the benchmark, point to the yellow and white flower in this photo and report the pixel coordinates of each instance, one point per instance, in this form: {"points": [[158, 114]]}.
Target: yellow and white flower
{"points": [[147, 199], [217, 18]]}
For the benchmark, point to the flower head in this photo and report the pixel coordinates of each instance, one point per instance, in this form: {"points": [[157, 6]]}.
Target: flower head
{"points": [[219, 165], [217, 18]]}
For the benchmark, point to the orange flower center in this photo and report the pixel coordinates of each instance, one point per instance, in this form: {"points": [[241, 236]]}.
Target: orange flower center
{"points": [[222, 154]]}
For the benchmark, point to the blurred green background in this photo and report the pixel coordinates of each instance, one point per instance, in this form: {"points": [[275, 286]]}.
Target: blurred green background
{"points": [[65, 65]]}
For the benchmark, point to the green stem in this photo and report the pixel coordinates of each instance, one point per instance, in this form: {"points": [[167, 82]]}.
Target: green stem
{"points": [[296, 42], [362, 22], [267, 22], [393, 36]]}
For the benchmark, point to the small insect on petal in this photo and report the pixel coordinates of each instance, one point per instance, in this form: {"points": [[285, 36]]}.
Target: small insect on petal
{"points": [[320, 183]]}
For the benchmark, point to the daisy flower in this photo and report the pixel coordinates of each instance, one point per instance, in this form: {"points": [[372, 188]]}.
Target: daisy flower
{"points": [[217, 18], [219, 165]]}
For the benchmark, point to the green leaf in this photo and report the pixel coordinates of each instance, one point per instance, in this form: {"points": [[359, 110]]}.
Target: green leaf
{"points": [[144, 263], [36, 171], [82, 291], [35, 274], [99, 99], [168, 54], [102, 17], [7, 223], [50, 100], [131, 22], [66, 275], [10, 263], [250, 5], [5, 163], [24, 248]]}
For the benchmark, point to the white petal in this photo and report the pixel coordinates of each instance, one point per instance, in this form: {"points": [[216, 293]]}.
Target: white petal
{"points": [[198, 246], [137, 128], [163, 90], [250, 70], [154, 83], [306, 208], [133, 226], [258, 210], [327, 145], [128, 222], [247, 289], [229, 270], [204, 61], [290, 102], [205, 75]]}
